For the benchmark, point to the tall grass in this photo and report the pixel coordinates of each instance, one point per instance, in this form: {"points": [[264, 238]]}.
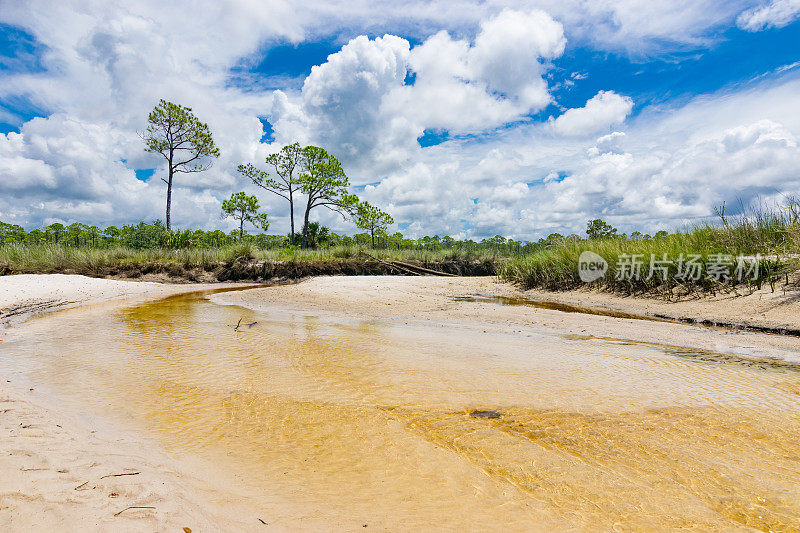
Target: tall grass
{"points": [[772, 234], [52, 258]]}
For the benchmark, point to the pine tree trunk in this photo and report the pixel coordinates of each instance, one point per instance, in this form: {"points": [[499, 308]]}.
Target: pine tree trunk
{"points": [[291, 213], [304, 243], [169, 197]]}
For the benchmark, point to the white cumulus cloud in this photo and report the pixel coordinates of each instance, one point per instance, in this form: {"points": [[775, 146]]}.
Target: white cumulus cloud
{"points": [[603, 110], [360, 104]]}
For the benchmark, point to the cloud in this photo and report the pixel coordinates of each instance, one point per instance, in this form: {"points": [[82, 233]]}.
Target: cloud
{"points": [[776, 14], [665, 171], [466, 88], [361, 104], [104, 69], [508, 52], [603, 110], [342, 105], [608, 144], [62, 167], [669, 168]]}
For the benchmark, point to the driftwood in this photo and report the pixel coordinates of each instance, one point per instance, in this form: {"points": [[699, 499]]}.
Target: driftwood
{"points": [[123, 474], [413, 273], [134, 507], [414, 270], [426, 270]]}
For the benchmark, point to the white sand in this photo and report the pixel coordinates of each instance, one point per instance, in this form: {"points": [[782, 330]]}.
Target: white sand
{"points": [[763, 308], [59, 472], [24, 295]]}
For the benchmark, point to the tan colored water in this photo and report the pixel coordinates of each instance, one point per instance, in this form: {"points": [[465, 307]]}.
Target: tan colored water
{"points": [[412, 427]]}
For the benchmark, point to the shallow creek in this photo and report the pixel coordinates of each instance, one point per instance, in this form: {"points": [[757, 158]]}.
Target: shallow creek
{"points": [[409, 426]]}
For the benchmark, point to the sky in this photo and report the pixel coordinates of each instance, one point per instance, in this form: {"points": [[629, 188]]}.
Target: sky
{"points": [[458, 117]]}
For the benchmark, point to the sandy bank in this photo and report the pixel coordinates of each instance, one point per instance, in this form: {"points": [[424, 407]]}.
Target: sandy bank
{"points": [[449, 301], [765, 309], [24, 295], [59, 471]]}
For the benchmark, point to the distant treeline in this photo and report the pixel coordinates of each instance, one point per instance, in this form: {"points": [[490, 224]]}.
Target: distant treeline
{"points": [[156, 235]]}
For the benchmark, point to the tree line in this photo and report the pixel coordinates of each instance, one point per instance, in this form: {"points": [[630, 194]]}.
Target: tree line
{"points": [[307, 176], [156, 235]]}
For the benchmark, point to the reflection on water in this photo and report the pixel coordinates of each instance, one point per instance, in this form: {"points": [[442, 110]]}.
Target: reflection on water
{"points": [[413, 427]]}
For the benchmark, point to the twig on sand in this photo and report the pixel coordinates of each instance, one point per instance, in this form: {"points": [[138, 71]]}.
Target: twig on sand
{"points": [[123, 474], [134, 507], [79, 487]]}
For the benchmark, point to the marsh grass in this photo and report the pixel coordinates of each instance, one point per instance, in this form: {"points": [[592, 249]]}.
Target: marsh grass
{"points": [[772, 234], [52, 258]]}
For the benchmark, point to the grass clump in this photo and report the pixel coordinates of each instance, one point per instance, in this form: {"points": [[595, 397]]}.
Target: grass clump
{"points": [[726, 256]]}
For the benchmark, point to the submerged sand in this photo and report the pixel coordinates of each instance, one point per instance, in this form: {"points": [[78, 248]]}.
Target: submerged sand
{"points": [[470, 300], [331, 420]]}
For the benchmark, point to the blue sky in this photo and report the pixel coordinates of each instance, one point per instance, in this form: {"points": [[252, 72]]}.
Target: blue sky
{"points": [[19, 53], [521, 120], [733, 56]]}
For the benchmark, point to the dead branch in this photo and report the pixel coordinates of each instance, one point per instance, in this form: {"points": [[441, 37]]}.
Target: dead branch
{"points": [[123, 474], [402, 269], [426, 270], [411, 269], [134, 507]]}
